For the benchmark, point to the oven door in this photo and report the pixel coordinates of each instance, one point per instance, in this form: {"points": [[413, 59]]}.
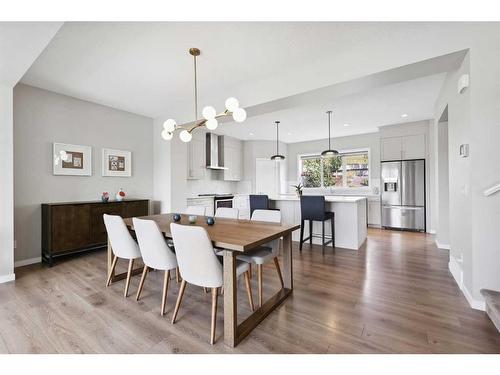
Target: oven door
{"points": [[223, 203]]}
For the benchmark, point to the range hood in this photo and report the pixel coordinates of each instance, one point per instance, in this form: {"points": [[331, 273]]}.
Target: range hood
{"points": [[215, 151]]}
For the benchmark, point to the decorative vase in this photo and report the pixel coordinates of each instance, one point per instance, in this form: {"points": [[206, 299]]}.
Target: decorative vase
{"points": [[192, 219], [210, 220], [120, 195], [105, 199], [177, 217]]}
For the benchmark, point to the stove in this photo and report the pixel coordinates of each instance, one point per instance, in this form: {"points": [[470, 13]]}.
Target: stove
{"points": [[220, 200]]}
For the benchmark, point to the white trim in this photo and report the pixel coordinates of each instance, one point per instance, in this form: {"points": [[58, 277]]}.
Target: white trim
{"points": [[7, 278], [26, 262], [443, 246], [474, 303], [456, 271]]}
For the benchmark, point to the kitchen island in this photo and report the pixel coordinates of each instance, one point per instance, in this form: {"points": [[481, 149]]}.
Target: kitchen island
{"points": [[350, 218]]}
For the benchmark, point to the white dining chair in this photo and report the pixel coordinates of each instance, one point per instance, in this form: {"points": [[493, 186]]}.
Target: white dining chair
{"points": [[199, 266], [267, 252], [195, 210], [123, 246], [227, 213], [155, 255]]}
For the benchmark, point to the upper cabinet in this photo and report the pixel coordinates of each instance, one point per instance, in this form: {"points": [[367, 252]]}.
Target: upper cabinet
{"points": [[403, 148], [233, 159], [196, 163]]}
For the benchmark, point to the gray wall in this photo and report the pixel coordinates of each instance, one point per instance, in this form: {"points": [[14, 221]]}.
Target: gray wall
{"points": [[6, 186], [41, 118], [443, 191]]}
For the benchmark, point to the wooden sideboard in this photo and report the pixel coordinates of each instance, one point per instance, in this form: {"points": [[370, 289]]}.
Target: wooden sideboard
{"points": [[74, 227]]}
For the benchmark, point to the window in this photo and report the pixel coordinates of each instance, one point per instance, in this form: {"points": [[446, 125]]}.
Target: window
{"points": [[348, 169]]}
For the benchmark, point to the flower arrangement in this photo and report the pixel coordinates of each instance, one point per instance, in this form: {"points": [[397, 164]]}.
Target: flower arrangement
{"points": [[120, 195], [105, 197], [298, 189]]}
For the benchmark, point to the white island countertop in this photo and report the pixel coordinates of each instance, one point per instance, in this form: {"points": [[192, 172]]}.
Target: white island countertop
{"points": [[328, 198]]}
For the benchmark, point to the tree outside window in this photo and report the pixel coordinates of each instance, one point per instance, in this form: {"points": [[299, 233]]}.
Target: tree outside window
{"points": [[349, 169]]}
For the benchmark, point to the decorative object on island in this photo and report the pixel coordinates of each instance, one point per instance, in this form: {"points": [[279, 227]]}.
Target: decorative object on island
{"points": [[177, 217], [329, 152], [298, 189], [193, 218], [105, 197], [277, 156], [209, 113], [72, 160], [76, 227], [116, 163], [210, 220], [120, 195]]}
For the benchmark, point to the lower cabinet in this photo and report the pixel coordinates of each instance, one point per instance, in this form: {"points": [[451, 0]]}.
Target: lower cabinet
{"points": [[75, 227], [374, 212]]}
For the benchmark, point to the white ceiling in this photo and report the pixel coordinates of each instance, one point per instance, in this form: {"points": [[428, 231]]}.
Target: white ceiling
{"points": [[145, 68], [363, 112], [20, 45]]}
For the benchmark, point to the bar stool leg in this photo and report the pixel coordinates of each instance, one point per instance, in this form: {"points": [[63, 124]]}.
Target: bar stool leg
{"points": [[323, 237], [301, 234], [333, 232], [310, 232]]}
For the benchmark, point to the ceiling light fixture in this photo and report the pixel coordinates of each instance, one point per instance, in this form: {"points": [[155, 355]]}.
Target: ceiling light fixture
{"points": [[209, 113], [277, 156], [404, 115], [346, 124], [329, 152]]}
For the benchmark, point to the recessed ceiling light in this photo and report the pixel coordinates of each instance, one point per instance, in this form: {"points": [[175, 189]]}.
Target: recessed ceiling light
{"points": [[346, 124], [404, 115], [250, 133], [289, 133]]}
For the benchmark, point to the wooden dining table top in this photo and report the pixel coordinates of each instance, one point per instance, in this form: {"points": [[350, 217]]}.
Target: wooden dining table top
{"points": [[232, 234]]}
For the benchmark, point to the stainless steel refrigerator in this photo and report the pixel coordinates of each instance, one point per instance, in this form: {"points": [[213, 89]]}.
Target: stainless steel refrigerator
{"points": [[403, 194]]}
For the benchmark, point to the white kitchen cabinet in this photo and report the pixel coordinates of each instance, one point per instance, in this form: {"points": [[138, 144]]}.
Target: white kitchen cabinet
{"points": [[374, 212], [390, 148], [196, 155], [207, 202], [414, 147], [403, 148], [233, 159], [242, 203]]}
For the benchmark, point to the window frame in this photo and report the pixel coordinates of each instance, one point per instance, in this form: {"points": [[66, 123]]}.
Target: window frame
{"points": [[344, 174]]}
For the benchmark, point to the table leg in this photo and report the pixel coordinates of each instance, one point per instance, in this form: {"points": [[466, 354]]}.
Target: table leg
{"points": [[287, 261], [110, 260], [230, 300]]}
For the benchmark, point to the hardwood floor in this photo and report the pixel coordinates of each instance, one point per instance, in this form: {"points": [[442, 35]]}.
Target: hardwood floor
{"points": [[395, 295]]}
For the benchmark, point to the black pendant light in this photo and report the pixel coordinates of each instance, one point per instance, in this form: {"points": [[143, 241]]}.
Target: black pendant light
{"points": [[277, 156], [329, 152]]}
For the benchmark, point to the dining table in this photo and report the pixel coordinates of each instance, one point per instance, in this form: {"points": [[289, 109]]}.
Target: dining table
{"points": [[235, 237]]}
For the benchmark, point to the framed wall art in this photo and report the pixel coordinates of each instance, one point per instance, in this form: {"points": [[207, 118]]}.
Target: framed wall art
{"points": [[116, 163], [72, 160]]}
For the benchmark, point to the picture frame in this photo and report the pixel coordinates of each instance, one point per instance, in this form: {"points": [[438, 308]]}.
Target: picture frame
{"points": [[116, 163], [71, 160]]}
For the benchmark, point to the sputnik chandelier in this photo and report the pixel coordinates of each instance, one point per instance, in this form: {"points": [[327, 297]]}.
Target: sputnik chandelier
{"points": [[209, 113]]}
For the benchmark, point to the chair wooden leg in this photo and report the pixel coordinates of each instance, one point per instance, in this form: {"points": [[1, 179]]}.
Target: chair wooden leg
{"points": [[166, 281], [179, 300], [177, 275], [113, 265], [214, 315], [278, 269], [249, 290], [129, 273], [141, 284], [259, 274]]}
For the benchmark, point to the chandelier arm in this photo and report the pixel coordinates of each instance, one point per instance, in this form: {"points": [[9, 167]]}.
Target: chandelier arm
{"points": [[195, 90]]}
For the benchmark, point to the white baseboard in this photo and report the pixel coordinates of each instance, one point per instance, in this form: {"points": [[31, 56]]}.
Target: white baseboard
{"points": [[26, 262], [431, 231], [474, 303], [442, 245], [7, 278], [455, 268]]}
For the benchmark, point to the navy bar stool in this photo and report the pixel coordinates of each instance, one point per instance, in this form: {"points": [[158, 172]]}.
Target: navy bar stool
{"points": [[312, 208]]}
